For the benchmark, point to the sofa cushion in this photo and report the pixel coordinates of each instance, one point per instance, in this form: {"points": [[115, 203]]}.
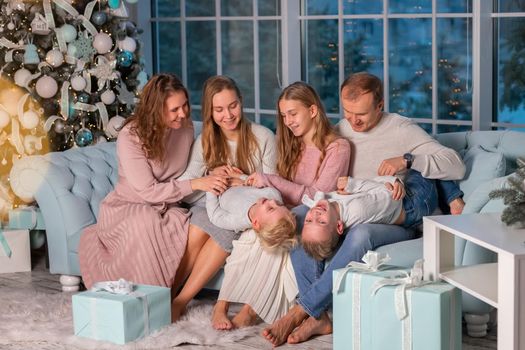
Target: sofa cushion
{"points": [[482, 166]]}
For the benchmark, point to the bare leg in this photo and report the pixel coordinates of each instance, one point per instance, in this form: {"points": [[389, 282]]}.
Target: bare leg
{"points": [[196, 240], [208, 262], [219, 318], [456, 206], [279, 331], [311, 327], [246, 317]]}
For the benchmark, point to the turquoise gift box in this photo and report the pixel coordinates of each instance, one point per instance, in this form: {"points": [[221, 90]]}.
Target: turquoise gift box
{"points": [[26, 218], [121, 318], [366, 321]]}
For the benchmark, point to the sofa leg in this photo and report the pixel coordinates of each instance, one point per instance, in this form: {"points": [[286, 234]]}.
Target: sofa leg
{"points": [[477, 324], [70, 283]]}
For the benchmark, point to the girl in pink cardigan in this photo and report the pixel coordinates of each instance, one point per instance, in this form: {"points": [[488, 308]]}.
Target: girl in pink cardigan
{"points": [[311, 157]]}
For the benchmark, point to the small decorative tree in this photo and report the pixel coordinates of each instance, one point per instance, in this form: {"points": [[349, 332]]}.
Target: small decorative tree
{"points": [[513, 198]]}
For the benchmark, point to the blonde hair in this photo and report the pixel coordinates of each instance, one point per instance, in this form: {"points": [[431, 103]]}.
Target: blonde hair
{"points": [[362, 83], [291, 147], [321, 249], [281, 235], [214, 144], [148, 117]]}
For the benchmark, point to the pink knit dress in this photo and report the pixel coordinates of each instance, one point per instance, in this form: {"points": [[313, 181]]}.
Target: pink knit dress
{"points": [[141, 232]]}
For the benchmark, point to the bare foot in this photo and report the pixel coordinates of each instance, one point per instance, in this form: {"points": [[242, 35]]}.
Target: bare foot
{"points": [[246, 317], [219, 318], [309, 328], [456, 206], [178, 309], [279, 331]]}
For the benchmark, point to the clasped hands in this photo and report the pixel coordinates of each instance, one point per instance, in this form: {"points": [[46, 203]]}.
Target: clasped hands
{"points": [[223, 177]]}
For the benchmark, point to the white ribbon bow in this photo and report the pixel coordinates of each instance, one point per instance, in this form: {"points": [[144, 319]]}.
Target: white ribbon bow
{"points": [[409, 280], [121, 287], [310, 203], [372, 261]]}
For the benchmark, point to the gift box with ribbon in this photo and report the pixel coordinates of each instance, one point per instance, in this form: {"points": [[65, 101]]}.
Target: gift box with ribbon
{"points": [[29, 218], [120, 312], [15, 253], [377, 307]]}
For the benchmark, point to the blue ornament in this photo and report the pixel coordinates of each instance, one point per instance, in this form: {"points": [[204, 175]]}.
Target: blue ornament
{"points": [[125, 59], [114, 4], [84, 137], [99, 18], [83, 97]]}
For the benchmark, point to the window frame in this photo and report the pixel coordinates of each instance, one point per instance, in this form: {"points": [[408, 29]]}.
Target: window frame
{"points": [[483, 67]]}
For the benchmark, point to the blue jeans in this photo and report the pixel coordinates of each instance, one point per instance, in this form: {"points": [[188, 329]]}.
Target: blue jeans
{"points": [[447, 191], [314, 278], [421, 198]]}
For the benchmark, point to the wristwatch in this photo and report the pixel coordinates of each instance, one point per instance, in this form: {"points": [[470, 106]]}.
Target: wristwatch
{"points": [[409, 158]]}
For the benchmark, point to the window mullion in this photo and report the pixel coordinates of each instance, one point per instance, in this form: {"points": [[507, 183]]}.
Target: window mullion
{"points": [[291, 41], [482, 69]]}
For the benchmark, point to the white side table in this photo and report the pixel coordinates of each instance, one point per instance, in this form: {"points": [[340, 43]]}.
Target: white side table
{"points": [[500, 284]]}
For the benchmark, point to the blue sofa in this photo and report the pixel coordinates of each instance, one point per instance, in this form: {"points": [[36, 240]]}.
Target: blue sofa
{"points": [[69, 186]]}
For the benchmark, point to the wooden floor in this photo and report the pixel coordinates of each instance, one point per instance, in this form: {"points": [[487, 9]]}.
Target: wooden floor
{"points": [[40, 280]]}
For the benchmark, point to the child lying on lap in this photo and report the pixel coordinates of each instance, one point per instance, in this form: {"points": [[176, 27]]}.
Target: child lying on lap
{"points": [[364, 201], [242, 207]]}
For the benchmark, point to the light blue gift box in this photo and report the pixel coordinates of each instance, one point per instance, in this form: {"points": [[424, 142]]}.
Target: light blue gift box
{"points": [[121, 318], [433, 321], [26, 218]]}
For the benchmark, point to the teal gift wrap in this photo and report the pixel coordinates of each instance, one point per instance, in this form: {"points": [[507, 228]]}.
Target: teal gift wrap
{"points": [[430, 312], [121, 318], [26, 218]]}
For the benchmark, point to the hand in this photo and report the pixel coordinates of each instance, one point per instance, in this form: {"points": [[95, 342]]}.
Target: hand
{"points": [[215, 184], [235, 181], [226, 170], [255, 180], [398, 190], [391, 166], [341, 185]]}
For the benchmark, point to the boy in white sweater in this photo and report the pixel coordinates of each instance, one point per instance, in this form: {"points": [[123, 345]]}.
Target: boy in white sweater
{"points": [[360, 201]]}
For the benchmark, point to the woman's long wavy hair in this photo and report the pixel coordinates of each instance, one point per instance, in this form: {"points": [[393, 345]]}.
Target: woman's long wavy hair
{"points": [[290, 147], [214, 143], [148, 122]]}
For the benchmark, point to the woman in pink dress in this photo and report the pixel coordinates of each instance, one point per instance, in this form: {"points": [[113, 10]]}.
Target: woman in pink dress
{"points": [[311, 157], [142, 231]]}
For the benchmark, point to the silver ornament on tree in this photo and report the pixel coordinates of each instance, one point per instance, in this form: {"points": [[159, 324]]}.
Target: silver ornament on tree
{"points": [[59, 126], [29, 120], [55, 58], [107, 97], [46, 87], [99, 18], [78, 83], [102, 43]]}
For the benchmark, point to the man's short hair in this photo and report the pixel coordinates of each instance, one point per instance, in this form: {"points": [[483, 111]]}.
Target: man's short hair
{"points": [[361, 83], [321, 250]]}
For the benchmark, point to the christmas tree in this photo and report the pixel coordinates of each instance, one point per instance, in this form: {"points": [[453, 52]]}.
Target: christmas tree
{"points": [[70, 73], [513, 197]]}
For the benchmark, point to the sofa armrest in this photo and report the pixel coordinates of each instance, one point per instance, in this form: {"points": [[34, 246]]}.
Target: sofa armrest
{"points": [[68, 187]]}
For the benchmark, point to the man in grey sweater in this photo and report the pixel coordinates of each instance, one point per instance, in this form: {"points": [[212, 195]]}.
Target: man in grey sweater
{"points": [[382, 144]]}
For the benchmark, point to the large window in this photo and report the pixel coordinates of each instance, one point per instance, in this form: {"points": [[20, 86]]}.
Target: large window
{"points": [[452, 65], [200, 38]]}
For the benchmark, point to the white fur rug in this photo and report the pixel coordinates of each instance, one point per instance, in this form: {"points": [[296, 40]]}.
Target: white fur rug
{"points": [[31, 320]]}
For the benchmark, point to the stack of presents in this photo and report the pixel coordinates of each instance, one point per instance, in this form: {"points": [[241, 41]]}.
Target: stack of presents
{"points": [[375, 306], [23, 230]]}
